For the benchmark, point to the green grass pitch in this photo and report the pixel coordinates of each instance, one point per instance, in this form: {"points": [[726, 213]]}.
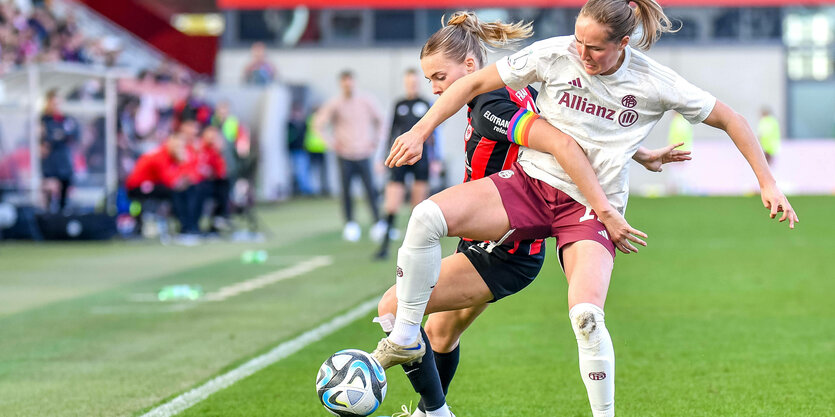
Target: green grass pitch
{"points": [[726, 313]]}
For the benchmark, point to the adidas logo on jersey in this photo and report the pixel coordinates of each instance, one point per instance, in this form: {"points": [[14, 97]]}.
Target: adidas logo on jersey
{"points": [[603, 233], [576, 82]]}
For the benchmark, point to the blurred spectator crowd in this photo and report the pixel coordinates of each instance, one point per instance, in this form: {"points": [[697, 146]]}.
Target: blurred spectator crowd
{"points": [[38, 35]]}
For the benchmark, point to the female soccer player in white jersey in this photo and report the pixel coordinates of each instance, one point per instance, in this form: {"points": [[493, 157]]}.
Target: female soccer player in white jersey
{"points": [[607, 96], [473, 277]]}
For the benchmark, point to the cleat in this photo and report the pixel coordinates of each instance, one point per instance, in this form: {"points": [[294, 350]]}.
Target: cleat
{"points": [[352, 232], [390, 354], [378, 231]]}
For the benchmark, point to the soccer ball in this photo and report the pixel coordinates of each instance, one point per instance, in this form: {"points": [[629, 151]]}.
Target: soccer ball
{"points": [[351, 383]]}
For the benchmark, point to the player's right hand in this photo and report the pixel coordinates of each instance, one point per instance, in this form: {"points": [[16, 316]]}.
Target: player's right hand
{"points": [[406, 150], [621, 233]]}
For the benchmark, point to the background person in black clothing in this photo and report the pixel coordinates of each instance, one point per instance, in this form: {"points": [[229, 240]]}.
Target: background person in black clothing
{"points": [[58, 133], [300, 160], [406, 113]]}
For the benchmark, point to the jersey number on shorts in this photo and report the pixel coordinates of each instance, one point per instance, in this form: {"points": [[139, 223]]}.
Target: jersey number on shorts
{"points": [[588, 216]]}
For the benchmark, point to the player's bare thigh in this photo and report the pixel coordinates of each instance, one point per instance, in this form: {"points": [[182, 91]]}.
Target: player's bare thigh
{"points": [[444, 328], [473, 210], [459, 286], [420, 191], [588, 268]]}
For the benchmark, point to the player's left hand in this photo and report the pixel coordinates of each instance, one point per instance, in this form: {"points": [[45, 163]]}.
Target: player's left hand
{"points": [[621, 233], [406, 150], [775, 201], [665, 155]]}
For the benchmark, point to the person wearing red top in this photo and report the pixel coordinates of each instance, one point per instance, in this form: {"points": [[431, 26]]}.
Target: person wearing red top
{"points": [[193, 171], [158, 175], [214, 185]]}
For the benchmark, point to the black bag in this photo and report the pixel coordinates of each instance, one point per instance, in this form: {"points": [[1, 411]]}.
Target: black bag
{"points": [[92, 226]]}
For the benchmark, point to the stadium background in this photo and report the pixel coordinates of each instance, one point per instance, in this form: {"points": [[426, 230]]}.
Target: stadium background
{"points": [[77, 329]]}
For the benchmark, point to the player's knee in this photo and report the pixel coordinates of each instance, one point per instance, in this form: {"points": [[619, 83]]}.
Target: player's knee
{"points": [[587, 321], [426, 225], [387, 304], [441, 338]]}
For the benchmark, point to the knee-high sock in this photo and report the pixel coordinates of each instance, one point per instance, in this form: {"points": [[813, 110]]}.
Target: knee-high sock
{"points": [[597, 357], [384, 246], [418, 267], [447, 364], [425, 380]]}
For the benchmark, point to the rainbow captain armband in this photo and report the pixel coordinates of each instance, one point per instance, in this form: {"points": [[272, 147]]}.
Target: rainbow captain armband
{"points": [[520, 126]]}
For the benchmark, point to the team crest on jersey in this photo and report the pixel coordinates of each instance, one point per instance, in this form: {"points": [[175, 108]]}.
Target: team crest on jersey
{"points": [[629, 101], [518, 60], [505, 174], [628, 117]]}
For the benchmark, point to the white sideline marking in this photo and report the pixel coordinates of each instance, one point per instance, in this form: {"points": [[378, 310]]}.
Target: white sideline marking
{"points": [[190, 398], [143, 309], [267, 279], [219, 295]]}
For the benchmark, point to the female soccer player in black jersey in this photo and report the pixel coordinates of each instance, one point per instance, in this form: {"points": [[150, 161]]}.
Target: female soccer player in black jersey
{"points": [[478, 273]]}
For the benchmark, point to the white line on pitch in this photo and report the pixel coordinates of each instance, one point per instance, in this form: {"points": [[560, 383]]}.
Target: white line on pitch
{"points": [[190, 398], [141, 309], [267, 279]]}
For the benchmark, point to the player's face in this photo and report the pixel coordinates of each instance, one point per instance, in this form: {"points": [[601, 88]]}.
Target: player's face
{"points": [[410, 84], [442, 71], [599, 55], [189, 129], [347, 85]]}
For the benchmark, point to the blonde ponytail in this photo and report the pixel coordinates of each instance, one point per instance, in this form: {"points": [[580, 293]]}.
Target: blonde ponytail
{"points": [[463, 35], [622, 19]]}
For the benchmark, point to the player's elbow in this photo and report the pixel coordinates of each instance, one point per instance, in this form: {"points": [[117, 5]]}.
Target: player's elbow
{"points": [[561, 144]]}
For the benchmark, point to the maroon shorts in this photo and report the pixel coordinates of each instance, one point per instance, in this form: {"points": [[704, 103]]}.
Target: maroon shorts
{"points": [[537, 210]]}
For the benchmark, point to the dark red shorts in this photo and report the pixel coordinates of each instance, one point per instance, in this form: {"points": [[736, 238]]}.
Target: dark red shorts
{"points": [[537, 210]]}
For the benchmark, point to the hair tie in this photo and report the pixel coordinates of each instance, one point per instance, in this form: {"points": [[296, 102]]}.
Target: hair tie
{"points": [[457, 20]]}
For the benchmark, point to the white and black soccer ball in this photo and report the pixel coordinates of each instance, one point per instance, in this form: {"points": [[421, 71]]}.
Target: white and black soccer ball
{"points": [[351, 383]]}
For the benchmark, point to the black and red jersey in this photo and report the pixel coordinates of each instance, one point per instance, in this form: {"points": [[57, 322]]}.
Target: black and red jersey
{"points": [[486, 142]]}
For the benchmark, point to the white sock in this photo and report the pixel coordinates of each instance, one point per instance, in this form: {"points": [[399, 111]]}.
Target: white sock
{"points": [[597, 357], [404, 334], [441, 412], [418, 267]]}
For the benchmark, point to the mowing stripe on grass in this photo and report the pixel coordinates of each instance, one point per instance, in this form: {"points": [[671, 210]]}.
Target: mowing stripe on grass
{"points": [[190, 398], [267, 279]]}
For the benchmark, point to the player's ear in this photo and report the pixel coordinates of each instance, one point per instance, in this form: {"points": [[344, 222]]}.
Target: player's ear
{"points": [[623, 43], [471, 64]]}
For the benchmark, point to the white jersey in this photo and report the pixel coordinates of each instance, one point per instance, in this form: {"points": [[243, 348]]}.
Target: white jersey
{"points": [[608, 115]]}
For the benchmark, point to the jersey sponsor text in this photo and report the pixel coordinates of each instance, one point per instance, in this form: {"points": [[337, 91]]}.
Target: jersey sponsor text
{"points": [[578, 103]]}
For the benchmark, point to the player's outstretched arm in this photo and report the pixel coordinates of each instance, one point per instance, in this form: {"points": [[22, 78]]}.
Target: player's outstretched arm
{"points": [[544, 137], [723, 117], [408, 147], [653, 159]]}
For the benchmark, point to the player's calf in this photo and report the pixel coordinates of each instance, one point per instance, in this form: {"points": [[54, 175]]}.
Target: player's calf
{"points": [[418, 267]]}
